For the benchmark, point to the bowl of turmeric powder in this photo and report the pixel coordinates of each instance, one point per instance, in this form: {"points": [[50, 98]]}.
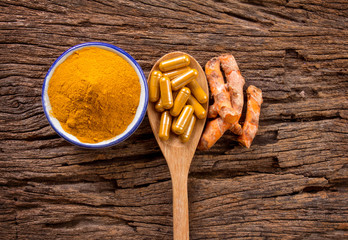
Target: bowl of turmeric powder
{"points": [[95, 95]]}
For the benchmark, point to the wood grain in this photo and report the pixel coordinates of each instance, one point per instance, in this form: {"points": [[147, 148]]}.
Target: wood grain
{"points": [[292, 182]]}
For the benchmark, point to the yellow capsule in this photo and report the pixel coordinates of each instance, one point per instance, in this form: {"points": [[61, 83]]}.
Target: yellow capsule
{"points": [[188, 131], [197, 91], [172, 74], [173, 124], [166, 122], [154, 90], [174, 63], [166, 93], [159, 106], [183, 119], [199, 109], [180, 101], [183, 79]]}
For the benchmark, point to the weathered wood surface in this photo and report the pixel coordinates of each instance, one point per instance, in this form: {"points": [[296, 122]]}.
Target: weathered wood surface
{"points": [[291, 184]]}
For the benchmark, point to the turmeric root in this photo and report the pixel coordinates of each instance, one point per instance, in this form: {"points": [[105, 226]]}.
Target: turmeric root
{"points": [[251, 123], [235, 83], [212, 111], [217, 127], [213, 131], [236, 129], [221, 97]]}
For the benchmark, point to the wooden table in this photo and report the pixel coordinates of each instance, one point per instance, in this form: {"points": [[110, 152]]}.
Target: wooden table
{"points": [[291, 184]]}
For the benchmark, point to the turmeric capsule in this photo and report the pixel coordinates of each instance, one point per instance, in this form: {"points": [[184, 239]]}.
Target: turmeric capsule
{"points": [[199, 109], [173, 123], [159, 106], [197, 91], [154, 90], [174, 63], [172, 74], [180, 101], [183, 79], [188, 131], [166, 93], [183, 119], [166, 122]]}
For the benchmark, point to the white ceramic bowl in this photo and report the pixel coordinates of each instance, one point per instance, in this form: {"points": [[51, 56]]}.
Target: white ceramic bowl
{"points": [[140, 113]]}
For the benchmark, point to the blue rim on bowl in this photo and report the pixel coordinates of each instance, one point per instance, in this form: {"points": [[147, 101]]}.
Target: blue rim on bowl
{"points": [[140, 113]]}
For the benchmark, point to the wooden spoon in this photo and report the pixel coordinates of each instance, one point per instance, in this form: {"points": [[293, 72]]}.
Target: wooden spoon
{"points": [[179, 155]]}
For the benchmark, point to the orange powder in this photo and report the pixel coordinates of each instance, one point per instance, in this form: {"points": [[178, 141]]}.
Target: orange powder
{"points": [[94, 94]]}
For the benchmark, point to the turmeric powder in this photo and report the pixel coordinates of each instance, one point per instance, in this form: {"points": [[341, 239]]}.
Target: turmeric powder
{"points": [[94, 94]]}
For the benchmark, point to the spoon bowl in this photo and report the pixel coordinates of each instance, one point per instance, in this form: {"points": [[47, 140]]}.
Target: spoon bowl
{"points": [[177, 154]]}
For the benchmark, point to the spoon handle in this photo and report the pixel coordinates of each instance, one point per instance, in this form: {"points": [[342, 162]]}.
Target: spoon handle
{"points": [[180, 207]]}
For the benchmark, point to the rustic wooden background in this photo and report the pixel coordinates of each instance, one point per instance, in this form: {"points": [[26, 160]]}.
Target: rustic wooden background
{"points": [[291, 184]]}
